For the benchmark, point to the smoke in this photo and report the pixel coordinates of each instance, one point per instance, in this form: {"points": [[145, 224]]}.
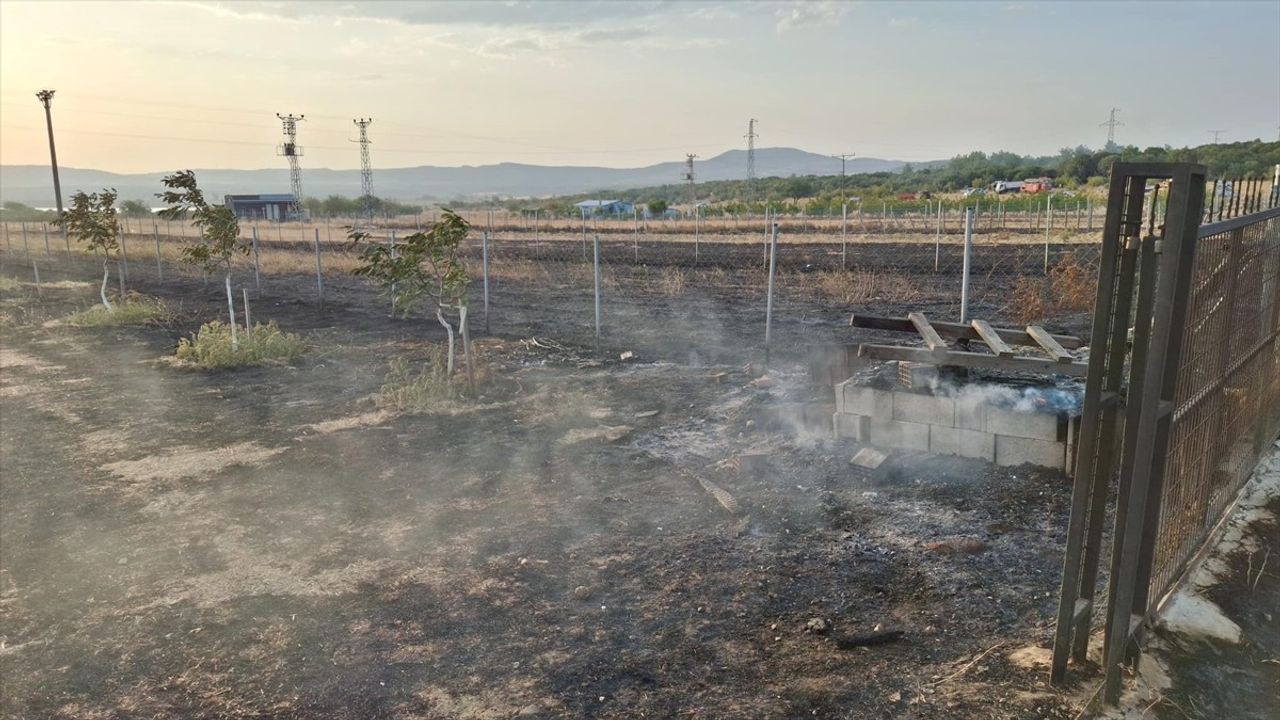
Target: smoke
{"points": [[1067, 399]]}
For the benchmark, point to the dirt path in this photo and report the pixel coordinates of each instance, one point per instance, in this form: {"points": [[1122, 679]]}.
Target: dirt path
{"points": [[266, 543]]}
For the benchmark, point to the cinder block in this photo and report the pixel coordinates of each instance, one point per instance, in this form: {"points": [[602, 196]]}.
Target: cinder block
{"points": [[1019, 450], [862, 400], [971, 413], [965, 443], [852, 427], [1038, 426], [898, 434], [921, 408], [868, 463], [918, 376]]}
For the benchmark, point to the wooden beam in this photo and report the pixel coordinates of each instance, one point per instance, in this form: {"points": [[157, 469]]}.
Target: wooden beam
{"points": [[957, 358], [956, 331], [1051, 346], [931, 336], [989, 336]]}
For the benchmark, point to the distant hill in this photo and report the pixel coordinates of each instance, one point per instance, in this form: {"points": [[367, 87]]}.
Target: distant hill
{"points": [[31, 184]]}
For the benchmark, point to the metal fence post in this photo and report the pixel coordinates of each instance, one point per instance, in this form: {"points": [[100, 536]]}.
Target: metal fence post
{"points": [[597, 288], [391, 248], [937, 240], [968, 256], [257, 265], [47, 251], [635, 234], [319, 276], [844, 235], [1048, 225], [484, 255], [26, 244], [124, 259], [768, 303], [159, 268], [697, 213]]}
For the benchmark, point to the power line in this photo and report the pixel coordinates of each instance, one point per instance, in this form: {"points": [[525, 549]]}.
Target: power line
{"points": [[46, 99], [842, 157], [1216, 134], [290, 150]]}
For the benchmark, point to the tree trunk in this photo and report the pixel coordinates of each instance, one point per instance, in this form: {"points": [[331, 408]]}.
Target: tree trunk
{"points": [[106, 273], [231, 311], [449, 329]]}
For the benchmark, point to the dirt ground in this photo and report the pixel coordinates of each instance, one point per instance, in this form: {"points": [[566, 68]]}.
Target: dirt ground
{"points": [[268, 543]]}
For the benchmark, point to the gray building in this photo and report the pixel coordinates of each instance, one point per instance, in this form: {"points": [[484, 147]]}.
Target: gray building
{"points": [[260, 207], [605, 207]]}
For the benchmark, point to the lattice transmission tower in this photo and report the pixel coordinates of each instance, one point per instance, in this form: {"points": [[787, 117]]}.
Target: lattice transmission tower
{"points": [[751, 148], [689, 178], [292, 151], [1111, 125], [366, 167]]}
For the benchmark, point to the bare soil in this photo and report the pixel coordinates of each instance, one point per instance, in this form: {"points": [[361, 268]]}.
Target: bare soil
{"points": [[268, 543]]}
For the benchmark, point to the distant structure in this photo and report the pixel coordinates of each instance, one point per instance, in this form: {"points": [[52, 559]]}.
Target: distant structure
{"points": [[1216, 134], [688, 177], [605, 207], [1110, 125], [843, 158], [46, 97], [366, 167], [751, 149], [275, 207], [291, 151]]}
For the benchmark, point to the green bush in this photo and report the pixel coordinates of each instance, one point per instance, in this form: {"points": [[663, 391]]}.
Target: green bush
{"points": [[210, 347], [412, 392], [132, 310], [7, 283]]}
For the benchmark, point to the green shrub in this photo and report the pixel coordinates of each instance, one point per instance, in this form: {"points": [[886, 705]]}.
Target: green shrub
{"points": [[133, 310], [7, 283], [210, 347], [412, 392]]}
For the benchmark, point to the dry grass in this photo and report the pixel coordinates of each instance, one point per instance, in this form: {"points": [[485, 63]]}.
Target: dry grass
{"points": [[1029, 301], [858, 286], [7, 283], [134, 309], [671, 281], [1073, 285]]}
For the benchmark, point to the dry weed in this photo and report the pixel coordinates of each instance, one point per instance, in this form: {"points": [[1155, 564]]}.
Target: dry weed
{"points": [[1028, 303], [859, 286], [1072, 284], [672, 281]]}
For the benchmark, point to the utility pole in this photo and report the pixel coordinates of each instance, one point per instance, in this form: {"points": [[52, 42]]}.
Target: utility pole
{"points": [[751, 148], [46, 97], [366, 167], [1110, 125], [843, 158], [290, 150], [1216, 134], [688, 177], [844, 212]]}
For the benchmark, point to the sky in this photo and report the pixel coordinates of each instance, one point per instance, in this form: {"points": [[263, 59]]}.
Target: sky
{"points": [[153, 86]]}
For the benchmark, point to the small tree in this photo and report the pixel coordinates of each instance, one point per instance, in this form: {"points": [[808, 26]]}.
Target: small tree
{"points": [[91, 219], [425, 265], [134, 209], [219, 238]]}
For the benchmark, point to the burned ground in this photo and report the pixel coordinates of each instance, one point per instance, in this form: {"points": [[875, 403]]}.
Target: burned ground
{"points": [[267, 543]]}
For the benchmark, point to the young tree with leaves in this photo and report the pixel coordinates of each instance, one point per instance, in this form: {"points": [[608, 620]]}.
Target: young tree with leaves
{"points": [[91, 219], [425, 265], [219, 238]]}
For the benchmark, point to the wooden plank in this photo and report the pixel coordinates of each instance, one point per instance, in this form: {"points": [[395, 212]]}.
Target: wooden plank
{"points": [[998, 346], [931, 336], [1046, 341], [957, 358], [956, 331]]}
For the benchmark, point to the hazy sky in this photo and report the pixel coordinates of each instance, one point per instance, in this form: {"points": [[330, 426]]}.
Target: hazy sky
{"points": [[154, 86]]}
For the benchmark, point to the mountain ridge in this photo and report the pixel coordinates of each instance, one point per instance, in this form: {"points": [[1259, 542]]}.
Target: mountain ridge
{"points": [[32, 184]]}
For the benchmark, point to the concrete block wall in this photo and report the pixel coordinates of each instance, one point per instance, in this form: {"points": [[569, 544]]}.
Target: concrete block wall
{"points": [[967, 427]]}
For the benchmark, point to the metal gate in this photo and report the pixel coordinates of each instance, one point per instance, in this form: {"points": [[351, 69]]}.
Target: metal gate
{"points": [[1183, 395]]}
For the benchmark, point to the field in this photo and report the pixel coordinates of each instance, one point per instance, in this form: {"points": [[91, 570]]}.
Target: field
{"points": [[590, 537]]}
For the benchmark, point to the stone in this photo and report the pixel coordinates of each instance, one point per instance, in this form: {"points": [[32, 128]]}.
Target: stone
{"points": [[961, 442], [1034, 425], [922, 408], [582, 592], [852, 427], [897, 434], [817, 626], [1019, 450]]}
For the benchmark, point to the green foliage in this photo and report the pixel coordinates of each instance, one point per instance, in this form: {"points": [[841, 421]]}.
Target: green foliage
{"points": [[7, 283], [219, 237], [133, 310], [18, 212], [91, 219], [135, 209], [342, 206], [422, 264], [266, 344], [658, 206], [407, 391]]}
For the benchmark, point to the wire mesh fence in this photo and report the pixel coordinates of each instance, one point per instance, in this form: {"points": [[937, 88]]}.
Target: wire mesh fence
{"points": [[1033, 259]]}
